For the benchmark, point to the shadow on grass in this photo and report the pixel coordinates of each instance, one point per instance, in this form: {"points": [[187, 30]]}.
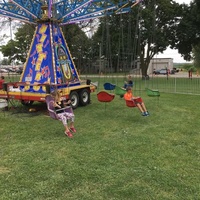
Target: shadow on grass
{"points": [[27, 111]]}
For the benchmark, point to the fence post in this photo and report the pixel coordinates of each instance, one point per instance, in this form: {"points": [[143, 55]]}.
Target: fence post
{"points": [[175, 85]]}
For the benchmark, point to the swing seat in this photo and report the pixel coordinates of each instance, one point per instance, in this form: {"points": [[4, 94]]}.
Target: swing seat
{"points": [[103, 96], [152, 93], [130, 103], [119, 91], [49, 101], [109, 86]]}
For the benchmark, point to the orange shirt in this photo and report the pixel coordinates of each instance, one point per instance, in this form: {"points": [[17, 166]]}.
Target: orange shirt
{"points": [[128, 96]]}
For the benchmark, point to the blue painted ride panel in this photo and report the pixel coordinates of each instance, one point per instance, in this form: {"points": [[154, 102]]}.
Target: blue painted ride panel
{"points": [[49, 61]]}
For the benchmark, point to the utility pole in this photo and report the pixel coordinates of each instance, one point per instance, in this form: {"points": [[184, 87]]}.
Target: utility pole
{"points": [[99, 58]]}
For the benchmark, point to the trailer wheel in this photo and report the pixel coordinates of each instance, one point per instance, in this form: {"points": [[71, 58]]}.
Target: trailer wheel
{"points": [[74, 99], [26, 103], [84, 97]]}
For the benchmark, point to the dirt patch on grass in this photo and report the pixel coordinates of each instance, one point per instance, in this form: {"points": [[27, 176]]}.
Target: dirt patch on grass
{"points": [[4, 170]]}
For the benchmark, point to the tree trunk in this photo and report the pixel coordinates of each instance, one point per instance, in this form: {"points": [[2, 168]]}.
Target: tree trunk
{"points": [[144, 63]]}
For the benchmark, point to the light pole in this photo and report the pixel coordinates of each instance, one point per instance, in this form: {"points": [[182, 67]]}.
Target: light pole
{"points": [[99, 58]]}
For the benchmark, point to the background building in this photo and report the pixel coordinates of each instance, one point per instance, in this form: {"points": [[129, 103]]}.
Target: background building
{"points": [[160, 63]]}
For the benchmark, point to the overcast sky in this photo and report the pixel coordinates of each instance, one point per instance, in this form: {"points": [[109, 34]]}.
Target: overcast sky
{"points": [[171, 53]]}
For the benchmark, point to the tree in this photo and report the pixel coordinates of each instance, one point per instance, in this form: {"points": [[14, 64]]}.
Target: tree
{"points": [[147, 31], [157, 26], [5, 61], [78, 44], [187, 34], [18, 48], [196, 56]]}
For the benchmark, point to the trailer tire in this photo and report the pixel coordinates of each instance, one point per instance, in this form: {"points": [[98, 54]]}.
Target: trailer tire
{"points": [[26, 103], [74, 99], [84, 97]]}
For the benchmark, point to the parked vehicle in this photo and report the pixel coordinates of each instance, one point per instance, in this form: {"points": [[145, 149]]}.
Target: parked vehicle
{"points": [[10, 70], [172, 71], [175, 69], [2, 70], [19, 71], [161, 71], [164, 71]]}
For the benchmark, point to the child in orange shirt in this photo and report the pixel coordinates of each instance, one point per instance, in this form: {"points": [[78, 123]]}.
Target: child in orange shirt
{"points": [[138, 101]]}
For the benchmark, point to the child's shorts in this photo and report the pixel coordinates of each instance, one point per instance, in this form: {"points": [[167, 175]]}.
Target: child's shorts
{"points": [[138, 100]]}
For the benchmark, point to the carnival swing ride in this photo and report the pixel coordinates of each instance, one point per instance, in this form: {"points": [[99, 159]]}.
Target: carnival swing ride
{"points": [[49, 64]]}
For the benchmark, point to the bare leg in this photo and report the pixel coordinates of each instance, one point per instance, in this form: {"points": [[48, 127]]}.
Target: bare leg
{"points": [[71, 124], [143, 107], [140, 107], [72, 127], [63, 118], [66, 128]]}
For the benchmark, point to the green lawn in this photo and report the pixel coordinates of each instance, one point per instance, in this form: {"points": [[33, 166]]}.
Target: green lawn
{"points": [[116, 153]]}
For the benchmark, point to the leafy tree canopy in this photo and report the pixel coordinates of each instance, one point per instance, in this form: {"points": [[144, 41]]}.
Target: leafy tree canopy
{"points": [[18, 48], [149, 29], [188, 30], [78, 43], [196, 56]]}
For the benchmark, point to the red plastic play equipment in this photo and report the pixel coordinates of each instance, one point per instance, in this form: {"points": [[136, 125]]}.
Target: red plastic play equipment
{"points": [[130, 103], [103, 96]]}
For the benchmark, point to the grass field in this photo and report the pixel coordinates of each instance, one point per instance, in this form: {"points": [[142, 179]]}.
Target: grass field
{"points": [[116, 153]]}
